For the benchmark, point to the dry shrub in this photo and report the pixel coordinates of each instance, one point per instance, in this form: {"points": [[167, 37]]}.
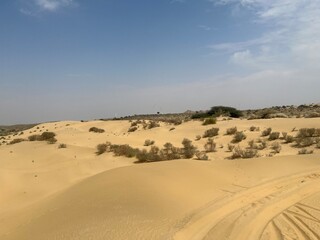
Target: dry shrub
{"points": [[276, 147], [148, 142], [17, 140], [209, 121], [101, 148], [231, 131], [45, 136], [266, 132], [62, 145], [188, 149], [238, 137], [305, 151], [253, 128], [201, 155], [274, 136], [152, 124], [96, 130], [284, 135], [289, 139], [230, 147], [198, 137], [244, 153], [210, 145], [132, 129], [211, 132]]}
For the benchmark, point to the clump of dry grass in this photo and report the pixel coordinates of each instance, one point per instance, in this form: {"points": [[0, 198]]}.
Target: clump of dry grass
{"points": [[17, 140], [231, 131], [62, 145], [45, 136], [276, 147], [211, 132], [274, 136], [148, 142], [210, 145], [305, 151], [244, 153], [201, 155], [96, 130], [238, 137], [209, 121], [133, 129], [266, 132]]}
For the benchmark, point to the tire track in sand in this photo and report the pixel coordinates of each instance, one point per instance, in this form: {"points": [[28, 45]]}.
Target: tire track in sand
{"points": [[246, 214]]}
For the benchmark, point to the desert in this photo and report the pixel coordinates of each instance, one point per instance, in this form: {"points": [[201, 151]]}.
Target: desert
{"points": [[65, 189]]}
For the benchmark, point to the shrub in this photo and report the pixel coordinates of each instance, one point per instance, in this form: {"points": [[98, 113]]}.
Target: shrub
{"points": [[211, 132], [133, 124], [238, 137], [51, 140], [171, 129], [230, 147], [274, 136], [169, 152], [96, 130], [17, 140], [253, 128], [244, 153], [188, 149], [223, 110], [124, 150], [210, 146], [284, 135], [266, 132], [198, 137], [304, 142], [62, 145], [305, 151], [148, 142], [276, 147], [209, 121], [132, 129], [289, 139], [231, 131], [153, 124], [200, 155], [101, 148]]}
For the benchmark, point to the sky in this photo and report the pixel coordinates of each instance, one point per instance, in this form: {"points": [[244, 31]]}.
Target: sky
{"points": [[79, 59]]}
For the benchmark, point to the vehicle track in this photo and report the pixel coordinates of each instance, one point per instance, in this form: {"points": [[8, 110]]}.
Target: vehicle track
{"points": [[270, 210]]}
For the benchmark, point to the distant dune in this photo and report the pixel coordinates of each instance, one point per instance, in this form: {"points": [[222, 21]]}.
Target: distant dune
{"points": [[70, 192]]}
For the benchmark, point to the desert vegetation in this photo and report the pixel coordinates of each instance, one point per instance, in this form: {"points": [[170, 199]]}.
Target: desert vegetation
{"points": [[211, 132], [49, 137], [96, 130]]}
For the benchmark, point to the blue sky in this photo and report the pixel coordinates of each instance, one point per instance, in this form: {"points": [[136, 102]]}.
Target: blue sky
{"points": [[77, 59]]}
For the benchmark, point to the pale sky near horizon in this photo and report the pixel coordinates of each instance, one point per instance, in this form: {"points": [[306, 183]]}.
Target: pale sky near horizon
{"points": [[77, 59]]}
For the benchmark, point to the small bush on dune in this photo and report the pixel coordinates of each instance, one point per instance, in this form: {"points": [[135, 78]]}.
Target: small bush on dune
{"points": [[170, 152], [253, 128], [289, 139], [305, 151], [153, 124], [200, 155], [188, 149], [62, 145], [274, 136], [276, 147], [209, 121], [211, 132], [101, 148], [231, 131], [132, 129], [17, 140], [266, 132], [244, 153], [96, 130], [198, 137], [148, 142], [210, 145], [238, 137], [45, 136], [230, 147]]}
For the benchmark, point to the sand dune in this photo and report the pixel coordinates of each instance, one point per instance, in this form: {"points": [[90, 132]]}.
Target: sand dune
{"points": [[71, 193]]}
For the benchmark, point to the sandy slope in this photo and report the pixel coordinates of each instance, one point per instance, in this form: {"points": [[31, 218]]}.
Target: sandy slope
{"points": [[51, 193]]}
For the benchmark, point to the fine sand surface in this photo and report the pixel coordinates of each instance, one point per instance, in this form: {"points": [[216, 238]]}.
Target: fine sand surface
{"points": [[71, 193]]}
